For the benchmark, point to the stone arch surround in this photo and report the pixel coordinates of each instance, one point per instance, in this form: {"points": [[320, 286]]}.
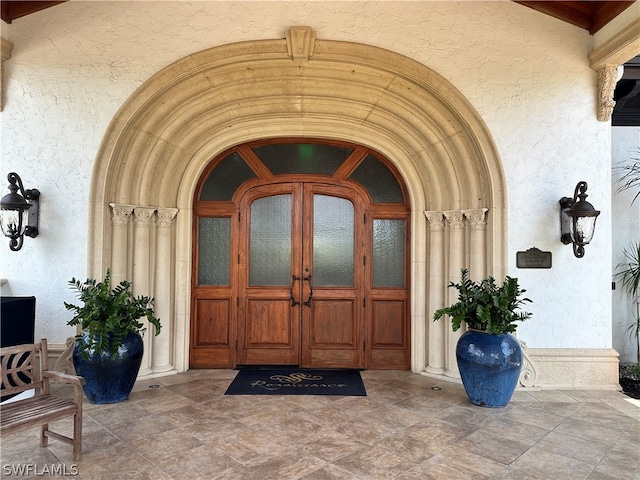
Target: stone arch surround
{"points": [[165, 134]]}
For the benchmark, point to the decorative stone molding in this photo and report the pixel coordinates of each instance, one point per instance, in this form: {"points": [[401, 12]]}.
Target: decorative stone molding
{"points": [[607, 78], [619, 49], [455, 219], [64, 363], [300, 43], [477, 218], [143, 215], [529, 372], [436, 220], [574, 368], [607, 58], [121, 214], [7, 48], [166, 216]]}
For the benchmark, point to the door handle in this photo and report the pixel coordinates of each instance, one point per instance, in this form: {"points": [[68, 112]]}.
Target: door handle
{"points": [[308, 301], [294, 279]]}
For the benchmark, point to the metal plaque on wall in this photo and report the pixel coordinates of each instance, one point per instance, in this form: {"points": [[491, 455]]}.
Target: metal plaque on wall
{"points": [[533, 258]]}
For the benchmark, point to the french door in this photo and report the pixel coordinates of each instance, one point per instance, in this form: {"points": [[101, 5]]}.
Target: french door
{"points": [[301, 287], [300, 258]]}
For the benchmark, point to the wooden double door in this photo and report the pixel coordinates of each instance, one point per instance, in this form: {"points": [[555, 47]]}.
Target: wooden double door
{"points": [[300, 258], [302, 286]]}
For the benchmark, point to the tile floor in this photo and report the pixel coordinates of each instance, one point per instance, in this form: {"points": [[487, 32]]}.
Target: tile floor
{"points": [[185, 428]]}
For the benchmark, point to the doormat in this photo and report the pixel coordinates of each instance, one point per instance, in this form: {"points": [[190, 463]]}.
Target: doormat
{"points": [[295, 381]]}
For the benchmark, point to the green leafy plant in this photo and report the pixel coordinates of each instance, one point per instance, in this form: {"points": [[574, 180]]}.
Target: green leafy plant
{"points": [[629, 173], [486, 306], [634, 370], [108, 315]]}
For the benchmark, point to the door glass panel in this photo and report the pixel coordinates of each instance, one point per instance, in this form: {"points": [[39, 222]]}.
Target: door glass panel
{"points": [[270, 241], [214, 251], [388, 253], [225, 179], [381, 184], [310, 158], [333, 241]]}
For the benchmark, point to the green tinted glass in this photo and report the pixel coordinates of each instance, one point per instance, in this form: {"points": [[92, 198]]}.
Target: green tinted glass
{"points": [[378, 180], [225, 179], [309, 158]]}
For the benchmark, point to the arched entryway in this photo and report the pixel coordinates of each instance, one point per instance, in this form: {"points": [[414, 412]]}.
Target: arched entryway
{"points": [[163, 138], [300, 257]]}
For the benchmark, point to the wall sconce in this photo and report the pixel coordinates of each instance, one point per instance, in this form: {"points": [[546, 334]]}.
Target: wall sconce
{"points": [[577, 220], [19, 212]]}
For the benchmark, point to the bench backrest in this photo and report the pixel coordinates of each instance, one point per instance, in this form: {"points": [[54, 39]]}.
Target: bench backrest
{"points": [[22, 367]]}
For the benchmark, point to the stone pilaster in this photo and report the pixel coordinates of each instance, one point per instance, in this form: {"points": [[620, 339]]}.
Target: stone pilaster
{"points": [[143, 218], [455, 221], [121, 215], [435, 288], [161, 360], [477, 220]]}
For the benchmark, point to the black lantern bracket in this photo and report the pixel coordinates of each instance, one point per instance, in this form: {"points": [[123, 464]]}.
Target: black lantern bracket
{"points": [[15, 225], [577, 220]]}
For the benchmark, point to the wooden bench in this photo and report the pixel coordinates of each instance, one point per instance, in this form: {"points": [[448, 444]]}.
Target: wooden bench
{"points": [[24, 367]]}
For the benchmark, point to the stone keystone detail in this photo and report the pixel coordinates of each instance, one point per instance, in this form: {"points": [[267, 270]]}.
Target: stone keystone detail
{"points": [[300, 43]]}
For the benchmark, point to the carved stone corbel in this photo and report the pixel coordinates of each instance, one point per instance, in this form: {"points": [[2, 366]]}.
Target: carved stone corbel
{"points": [[300, 43], [6, 49], [607, 79]]}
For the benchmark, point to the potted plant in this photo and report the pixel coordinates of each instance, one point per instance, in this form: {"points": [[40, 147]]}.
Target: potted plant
{"points": [[489, 356], [108, 351]]}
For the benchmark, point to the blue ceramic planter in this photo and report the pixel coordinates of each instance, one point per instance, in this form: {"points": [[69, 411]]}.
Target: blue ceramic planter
{"points": [[109, 379], [489, 366]]}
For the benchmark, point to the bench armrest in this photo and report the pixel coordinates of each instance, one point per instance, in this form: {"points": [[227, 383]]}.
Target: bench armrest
{"points": [[63, 377]]}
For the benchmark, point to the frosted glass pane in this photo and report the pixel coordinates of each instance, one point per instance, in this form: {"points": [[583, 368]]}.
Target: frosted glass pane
{"points": [[333, 241], [214, 251], [270, 241], [225, 179], [381, 184], [388, 253]]}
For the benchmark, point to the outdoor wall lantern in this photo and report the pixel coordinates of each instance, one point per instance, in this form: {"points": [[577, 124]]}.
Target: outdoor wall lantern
{"points": [[19, 212], [577, 220]]}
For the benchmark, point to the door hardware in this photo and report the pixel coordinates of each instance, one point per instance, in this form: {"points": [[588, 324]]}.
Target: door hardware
{"points": [[294, 279], [308, 301]]}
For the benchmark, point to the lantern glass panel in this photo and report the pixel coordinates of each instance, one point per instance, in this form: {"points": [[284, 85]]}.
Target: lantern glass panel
{"points": [[13, 222], [582, 229]]}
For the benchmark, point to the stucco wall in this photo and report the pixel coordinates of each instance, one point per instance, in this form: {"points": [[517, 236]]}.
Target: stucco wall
{"points": [[527, 74]]}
